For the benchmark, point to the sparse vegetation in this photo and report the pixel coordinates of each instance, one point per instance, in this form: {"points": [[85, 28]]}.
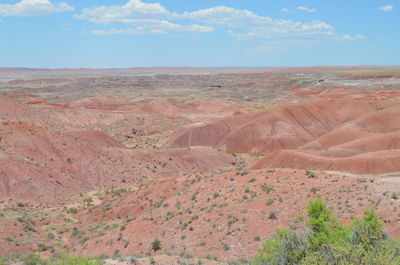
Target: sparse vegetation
{"points": [[225, 247], [257, 238], [325, 241], [267, 188], [310, 174], [156, 245], [72, 210], [35, 259], [272, 216], [81, 191]]}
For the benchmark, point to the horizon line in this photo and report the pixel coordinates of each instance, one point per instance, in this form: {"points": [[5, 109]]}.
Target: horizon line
{"points": [[189, 67]]}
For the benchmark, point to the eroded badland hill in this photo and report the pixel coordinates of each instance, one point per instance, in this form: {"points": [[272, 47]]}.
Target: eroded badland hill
{"points": [[209, 161]]}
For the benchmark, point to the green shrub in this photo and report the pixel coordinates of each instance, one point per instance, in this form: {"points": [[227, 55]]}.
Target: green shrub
{"points": [[88, 200], [34, 259], [77, 260], [325, 241], [310, 174], [156, 245], [72, 210], [286, 247]]}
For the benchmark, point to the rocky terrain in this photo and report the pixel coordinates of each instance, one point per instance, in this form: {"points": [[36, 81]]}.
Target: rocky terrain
{"points": [[209, 162]]}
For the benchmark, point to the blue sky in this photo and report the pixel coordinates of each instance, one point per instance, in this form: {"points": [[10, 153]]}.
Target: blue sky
{"points": [[130, 33]]}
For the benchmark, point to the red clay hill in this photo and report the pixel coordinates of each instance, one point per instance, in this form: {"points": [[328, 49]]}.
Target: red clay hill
{"points": [[209, 161], [355, 134], [42, 165]]}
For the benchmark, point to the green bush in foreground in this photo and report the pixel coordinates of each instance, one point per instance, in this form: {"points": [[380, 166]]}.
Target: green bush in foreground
{"points": [[77, 260], [326, 242], [35, 259]]}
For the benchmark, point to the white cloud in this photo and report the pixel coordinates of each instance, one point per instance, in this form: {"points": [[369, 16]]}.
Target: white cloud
{"points": [[154, 18], [348, 37], [287, 30], [132, 31], [146, 18], [132, 12], [306, 9], [156, 27], [227, 16], [26, 8], [387, 8], [287, 10], [246, 24]]}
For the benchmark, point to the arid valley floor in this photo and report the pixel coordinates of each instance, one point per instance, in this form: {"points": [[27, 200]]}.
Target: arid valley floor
{"points": [[211, 161]]}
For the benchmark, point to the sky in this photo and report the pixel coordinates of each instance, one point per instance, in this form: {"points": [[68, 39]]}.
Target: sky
{"points": [[198, 33]]}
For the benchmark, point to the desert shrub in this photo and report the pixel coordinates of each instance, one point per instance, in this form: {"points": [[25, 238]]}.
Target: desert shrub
{"points": [[88, 200], [324, 227], [225, 247], [325, 241], [156, 245], [42, 247], [267, 188], [34, 259], [242, 172], [77, 260], [314, 189], [9, 239], [286, 247], [272, 216], [50, 235], [210, 257], [72, 210], [310, 174]]}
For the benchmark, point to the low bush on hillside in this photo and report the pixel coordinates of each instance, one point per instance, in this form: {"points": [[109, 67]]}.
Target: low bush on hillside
{"points": [[77, 260], [156, 245], [325, 241], [35, 259]]}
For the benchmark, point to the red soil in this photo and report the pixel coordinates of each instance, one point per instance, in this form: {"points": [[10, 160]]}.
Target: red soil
{"points": [[276, 128], [340, 134], [369, 144], [185, 188], [201, 213], [53, 166]]}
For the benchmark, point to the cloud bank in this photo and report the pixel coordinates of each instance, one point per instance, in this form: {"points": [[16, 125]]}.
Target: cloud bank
{"points": [[136, 17], [238, 23], [27, 8]]}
